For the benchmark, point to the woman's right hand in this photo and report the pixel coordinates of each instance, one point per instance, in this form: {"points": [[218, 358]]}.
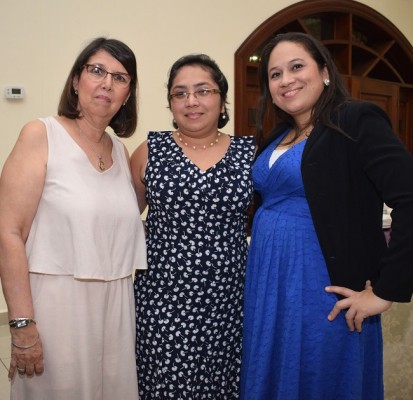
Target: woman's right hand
{"points": [[358, 305], [26, 361]]}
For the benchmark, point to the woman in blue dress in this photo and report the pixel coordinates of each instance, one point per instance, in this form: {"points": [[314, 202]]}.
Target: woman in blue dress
{"points": [[319, 272]]}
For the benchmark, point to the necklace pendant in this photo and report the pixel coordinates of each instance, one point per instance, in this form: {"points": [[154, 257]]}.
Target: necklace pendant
{"points": [[101, 165]]}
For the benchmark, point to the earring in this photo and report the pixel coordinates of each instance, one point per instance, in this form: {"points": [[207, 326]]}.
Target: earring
{"points": [[76, 92], [326, 82], [223, 116]]}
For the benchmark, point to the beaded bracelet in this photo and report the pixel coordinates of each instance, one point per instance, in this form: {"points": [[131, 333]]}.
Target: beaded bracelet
{"points": [[26, 347]]}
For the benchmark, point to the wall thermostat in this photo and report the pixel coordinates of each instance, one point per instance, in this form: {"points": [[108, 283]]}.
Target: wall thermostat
{"points": [[14, 92]]}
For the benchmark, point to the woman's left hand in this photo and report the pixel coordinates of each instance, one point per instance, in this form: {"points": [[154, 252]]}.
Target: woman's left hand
{"points": [[360, 305]]}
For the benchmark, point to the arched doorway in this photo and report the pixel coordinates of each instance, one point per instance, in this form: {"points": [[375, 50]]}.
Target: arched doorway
{"points": [[373, 56]]}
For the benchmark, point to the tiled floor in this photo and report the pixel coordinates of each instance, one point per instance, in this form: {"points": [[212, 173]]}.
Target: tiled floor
{"points": [[4, 362]]}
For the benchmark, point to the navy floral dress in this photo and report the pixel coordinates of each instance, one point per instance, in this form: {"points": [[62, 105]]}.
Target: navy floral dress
{"points": [[189, 302]]}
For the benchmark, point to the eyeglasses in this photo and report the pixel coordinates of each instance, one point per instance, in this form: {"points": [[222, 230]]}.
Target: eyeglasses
{"points": [[98, 74], [198, 94]]}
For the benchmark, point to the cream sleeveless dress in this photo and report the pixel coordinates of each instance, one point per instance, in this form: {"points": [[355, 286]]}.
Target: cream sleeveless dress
{"points": [[86, 239]]}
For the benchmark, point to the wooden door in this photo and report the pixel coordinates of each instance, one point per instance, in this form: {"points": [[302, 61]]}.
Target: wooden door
{"points": [[383, 94], [372, 55]]}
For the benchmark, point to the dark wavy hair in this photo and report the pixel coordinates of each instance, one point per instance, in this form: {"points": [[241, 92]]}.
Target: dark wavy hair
{"points": [[331, 97], [218, 77], [124, 122]]}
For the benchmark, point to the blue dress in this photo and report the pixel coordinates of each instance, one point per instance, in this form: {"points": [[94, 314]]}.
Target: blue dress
{"points": [[290, 349], [189, 302]]}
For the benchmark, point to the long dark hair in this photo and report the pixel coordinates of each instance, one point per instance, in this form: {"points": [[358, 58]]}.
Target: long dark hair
{"points": [[331, 97], [218, 77], [124, 122]]}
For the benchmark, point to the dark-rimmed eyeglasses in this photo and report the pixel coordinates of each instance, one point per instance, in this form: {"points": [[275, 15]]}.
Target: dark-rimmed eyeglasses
{"points": [[198, 94], [98, 73]]}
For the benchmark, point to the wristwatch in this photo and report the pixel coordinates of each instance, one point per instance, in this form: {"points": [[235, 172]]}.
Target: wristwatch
{"points": [[21, 322]]}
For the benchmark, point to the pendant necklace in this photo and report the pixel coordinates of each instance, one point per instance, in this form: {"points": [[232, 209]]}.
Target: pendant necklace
{"points": [[193, 146], [101, 163], [304, 134]]}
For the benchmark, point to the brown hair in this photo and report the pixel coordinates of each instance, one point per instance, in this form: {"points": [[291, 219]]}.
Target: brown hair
{"points": [[124, 122], [218, 77], [331, 97]]}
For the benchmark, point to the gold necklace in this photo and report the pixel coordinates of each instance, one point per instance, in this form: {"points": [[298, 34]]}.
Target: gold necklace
{"points": [[302, 136], [193, 146], [306, 132], [101, 163]]}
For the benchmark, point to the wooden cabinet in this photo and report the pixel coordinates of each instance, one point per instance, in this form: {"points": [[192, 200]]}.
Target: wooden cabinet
{"points": [[372, 55]]}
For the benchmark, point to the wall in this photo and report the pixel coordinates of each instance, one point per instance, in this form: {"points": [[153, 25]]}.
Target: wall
{"points": [[40, 40]]}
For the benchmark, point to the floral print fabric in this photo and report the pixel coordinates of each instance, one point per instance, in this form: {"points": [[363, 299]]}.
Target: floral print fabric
{"points": [[189, 303]]}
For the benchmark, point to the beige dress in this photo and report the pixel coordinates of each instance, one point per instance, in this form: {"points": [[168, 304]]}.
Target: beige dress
{"points": [[84, 243]]}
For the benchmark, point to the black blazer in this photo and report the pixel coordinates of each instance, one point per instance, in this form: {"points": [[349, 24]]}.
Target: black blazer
{"points": [[346, 181]]}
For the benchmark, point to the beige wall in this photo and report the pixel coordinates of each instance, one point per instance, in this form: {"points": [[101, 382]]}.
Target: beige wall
{"points": [[40, 39]]}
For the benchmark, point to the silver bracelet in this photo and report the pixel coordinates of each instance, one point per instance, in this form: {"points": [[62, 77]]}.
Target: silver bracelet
{"points": [[26, 347], [20, 322]]}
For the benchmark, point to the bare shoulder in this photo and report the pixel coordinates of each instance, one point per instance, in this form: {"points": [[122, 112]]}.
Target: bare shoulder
{"points": [[138, 163], [31, 144], [23, 176], [32, 139], [33, 131], [139, 156]]}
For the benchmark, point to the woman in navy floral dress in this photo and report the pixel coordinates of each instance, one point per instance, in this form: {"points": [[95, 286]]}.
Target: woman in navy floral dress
{"points": [[196, 181]]}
